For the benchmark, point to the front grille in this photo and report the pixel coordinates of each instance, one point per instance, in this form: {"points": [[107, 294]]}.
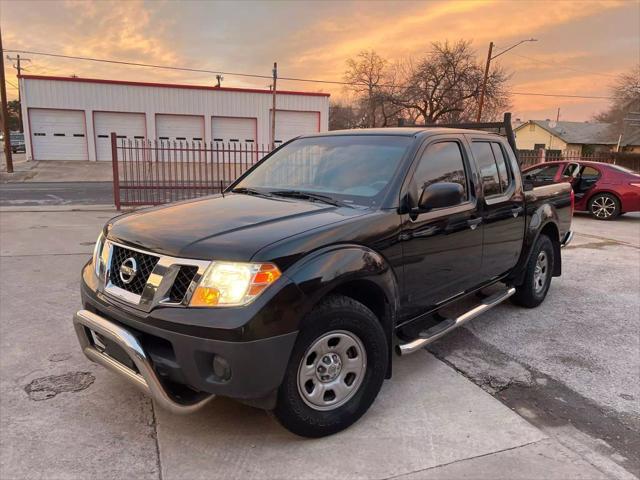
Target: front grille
{"points": [[145, 264], [182, 282]]}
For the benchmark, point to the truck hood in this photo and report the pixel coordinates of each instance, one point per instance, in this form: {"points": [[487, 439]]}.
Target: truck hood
{"points": [[232, 227]]}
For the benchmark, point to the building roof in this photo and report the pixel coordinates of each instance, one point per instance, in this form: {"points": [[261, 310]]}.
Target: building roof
{"points": [[169, 85], [578, 132]]}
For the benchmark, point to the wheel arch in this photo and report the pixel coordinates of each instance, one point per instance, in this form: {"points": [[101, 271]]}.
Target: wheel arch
{"points": [[601, 191], [352, 271]]}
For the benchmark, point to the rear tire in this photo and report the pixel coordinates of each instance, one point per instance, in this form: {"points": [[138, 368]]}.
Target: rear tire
{"points": [[604, 206], [336, 369], [538, 275]]}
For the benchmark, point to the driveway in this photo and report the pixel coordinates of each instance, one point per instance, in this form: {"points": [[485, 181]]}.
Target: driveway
{"points": [[64, 417]]}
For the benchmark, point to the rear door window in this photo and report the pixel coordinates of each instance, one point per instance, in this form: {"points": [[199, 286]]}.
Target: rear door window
{"points": [[503, 169], [489, 175]]}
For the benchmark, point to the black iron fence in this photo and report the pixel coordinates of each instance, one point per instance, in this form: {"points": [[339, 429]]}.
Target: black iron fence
{"points": [[153, 172], [624, 159]]}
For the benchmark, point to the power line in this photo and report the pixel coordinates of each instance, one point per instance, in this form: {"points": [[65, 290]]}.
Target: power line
{"points": [[293, 79]]}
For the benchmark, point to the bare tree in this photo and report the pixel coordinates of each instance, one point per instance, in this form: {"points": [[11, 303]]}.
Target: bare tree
{"points": [[367, 74], [444, 86], [343, 115], [626, 93]]}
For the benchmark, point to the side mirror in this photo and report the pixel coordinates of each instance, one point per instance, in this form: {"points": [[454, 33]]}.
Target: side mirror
{"points": [[440, 195]]}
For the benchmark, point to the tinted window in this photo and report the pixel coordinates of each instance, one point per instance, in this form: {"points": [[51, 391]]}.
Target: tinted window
{"points": [[542, 173], [488, 169], [590, 173], [355, 167], [503, 169], [570, 170], [441, 162]]}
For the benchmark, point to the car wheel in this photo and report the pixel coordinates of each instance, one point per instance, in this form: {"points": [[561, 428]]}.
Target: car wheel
{"points": [[538, 275], [604, 206], [336, 369]]}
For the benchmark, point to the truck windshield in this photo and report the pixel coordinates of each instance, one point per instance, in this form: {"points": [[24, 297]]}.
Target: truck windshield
{"points": [[352, 168]]}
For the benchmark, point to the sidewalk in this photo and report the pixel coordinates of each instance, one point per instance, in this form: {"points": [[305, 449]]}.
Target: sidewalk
{"points": [[63, 416], [54, 171]]}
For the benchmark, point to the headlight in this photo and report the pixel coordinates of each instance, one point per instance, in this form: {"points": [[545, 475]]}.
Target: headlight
{"points": [[227, 284], [97, 254]]}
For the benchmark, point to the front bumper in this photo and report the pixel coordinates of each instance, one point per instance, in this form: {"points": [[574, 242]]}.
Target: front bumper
{"points": [[142, 375], [180, 344]]}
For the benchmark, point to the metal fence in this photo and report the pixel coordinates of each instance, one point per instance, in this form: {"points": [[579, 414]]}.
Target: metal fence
{"points": [[623, 159], [153, 172]]}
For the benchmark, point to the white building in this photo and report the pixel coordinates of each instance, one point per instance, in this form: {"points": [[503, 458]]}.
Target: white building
{"points": [[72, 118]]}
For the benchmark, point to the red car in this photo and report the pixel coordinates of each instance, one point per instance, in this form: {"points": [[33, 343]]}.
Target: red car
{"points": [[604, 190]]}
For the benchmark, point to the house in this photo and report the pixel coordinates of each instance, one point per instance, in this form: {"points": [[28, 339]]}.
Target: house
{"points": [[572, 138], [70, 118]]}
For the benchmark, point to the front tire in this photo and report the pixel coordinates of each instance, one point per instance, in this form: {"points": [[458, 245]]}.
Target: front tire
{"points": [[538, 275], [604, 206], [336, 369]]}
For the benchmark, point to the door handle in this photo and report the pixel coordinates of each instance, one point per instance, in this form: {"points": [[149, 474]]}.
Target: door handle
{"points": [[474, 222], [516, 211]]}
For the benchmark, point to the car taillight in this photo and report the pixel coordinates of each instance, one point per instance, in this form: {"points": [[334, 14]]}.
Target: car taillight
{"points": [[573, 201]]}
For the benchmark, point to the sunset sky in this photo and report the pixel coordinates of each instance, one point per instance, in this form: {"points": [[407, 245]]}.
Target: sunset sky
{"points": [[581, 46]]}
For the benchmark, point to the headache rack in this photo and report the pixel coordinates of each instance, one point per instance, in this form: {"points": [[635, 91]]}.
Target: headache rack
{"points": [[501, 128]]}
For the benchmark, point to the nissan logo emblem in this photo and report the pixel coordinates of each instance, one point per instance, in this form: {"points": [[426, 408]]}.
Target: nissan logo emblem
{"points": [[128, 270]]}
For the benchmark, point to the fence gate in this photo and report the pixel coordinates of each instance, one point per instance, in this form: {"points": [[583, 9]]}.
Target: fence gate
{"points": [[152, 172]]}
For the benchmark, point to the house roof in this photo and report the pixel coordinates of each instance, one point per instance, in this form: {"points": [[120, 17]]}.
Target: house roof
{"points": [[578, 132]]}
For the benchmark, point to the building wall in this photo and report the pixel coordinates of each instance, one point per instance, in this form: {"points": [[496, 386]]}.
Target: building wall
{"points": [[530, 134], [91, 96]]}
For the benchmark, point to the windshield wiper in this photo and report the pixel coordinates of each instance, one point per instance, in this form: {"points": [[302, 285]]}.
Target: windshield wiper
{"points": [[250, 191], [310, 196]]}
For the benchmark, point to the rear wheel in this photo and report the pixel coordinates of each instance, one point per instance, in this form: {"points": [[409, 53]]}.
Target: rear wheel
{"points": [[538, 275], [604, 206], [336, 369]]}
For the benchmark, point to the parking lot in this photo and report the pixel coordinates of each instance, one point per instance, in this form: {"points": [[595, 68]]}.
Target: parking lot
{"points": [[546, 393]]}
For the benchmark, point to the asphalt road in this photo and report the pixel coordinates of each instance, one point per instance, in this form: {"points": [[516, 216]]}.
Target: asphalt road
{"points": [[55, 193]]}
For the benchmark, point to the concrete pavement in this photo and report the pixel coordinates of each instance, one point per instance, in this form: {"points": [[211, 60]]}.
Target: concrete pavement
{"points": [[64, 417], [54, 171]]}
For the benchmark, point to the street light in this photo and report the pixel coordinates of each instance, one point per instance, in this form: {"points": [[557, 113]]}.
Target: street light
{"points": [[486, 70]]}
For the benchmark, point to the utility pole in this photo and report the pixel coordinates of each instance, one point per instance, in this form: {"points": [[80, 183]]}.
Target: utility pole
{"points": [[273, 111], [484, 82], [5, 115], [18, 67], [483, 91]]}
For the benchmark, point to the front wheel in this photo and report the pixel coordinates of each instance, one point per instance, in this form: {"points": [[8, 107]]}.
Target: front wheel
{"points": [[336, 369], [538, 275], [604, 206]]}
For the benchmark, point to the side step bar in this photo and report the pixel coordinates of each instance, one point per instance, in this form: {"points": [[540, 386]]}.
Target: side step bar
{"points": [[444, 327], [145, 379]]}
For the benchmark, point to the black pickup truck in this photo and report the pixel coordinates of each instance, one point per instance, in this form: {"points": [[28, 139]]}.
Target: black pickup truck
{"points": [[292, 290]]}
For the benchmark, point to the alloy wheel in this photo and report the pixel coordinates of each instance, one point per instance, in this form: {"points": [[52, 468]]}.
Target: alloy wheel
{"points": [[603, 207]]}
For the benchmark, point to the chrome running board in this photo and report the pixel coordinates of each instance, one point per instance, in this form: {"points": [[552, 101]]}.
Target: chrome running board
{"points": [[145, 379], [431, 335]]}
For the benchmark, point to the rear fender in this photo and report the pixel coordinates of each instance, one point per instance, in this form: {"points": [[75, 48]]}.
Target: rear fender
{"points": [[543, 219]]}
